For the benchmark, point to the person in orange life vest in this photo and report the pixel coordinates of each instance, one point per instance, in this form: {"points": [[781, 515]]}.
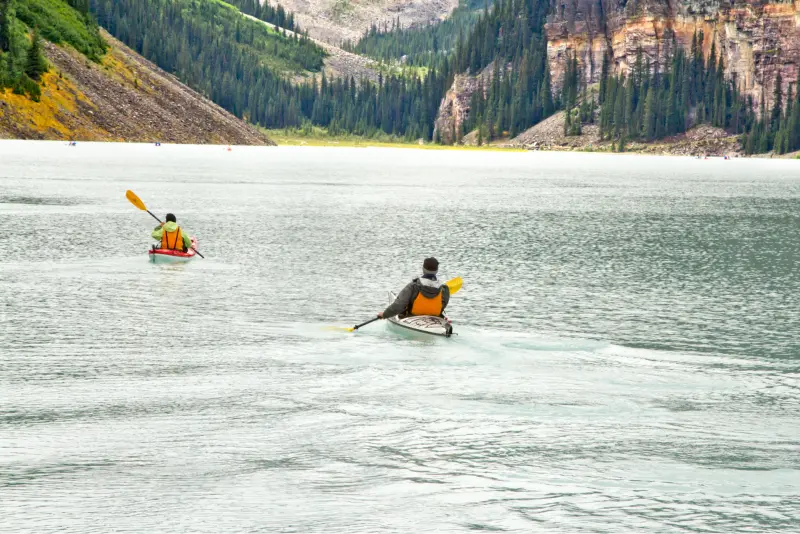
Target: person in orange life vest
{"points": [[423, 296], [171, 235]]}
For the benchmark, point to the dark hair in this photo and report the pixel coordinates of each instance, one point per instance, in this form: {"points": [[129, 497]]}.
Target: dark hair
{"points": [[171, 218]]}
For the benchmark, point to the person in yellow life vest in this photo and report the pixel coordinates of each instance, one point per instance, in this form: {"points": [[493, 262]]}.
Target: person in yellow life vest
{"points": [[423, 296], [171, 235]]}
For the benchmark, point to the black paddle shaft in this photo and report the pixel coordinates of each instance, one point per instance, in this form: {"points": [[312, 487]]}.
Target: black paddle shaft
{"points": [[365, 324]]}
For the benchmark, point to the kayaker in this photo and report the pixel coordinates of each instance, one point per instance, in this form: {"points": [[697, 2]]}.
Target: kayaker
{"points": [[423, 296], [171, 235]]}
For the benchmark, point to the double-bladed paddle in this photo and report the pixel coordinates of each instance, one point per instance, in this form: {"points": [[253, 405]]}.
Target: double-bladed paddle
{"points": [[136, 201]]}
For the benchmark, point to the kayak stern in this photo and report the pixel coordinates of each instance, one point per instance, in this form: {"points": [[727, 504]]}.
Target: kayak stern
{"points": [[426, 325], [164, 256]]}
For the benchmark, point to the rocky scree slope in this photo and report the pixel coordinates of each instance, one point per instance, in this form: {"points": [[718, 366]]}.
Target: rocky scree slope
{"points": [[335, 21], [122, 98]]}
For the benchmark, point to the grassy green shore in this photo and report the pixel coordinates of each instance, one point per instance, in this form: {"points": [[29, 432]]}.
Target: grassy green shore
{"points": [[320, 137]]}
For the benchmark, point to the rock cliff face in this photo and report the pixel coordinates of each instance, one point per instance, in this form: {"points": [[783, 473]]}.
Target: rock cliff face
{"points": [[756, 38], [454, 109]]}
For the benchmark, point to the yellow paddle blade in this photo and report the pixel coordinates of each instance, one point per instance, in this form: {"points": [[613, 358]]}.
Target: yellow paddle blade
{"points": [[340, 329], [455, 284], [136, 201]]}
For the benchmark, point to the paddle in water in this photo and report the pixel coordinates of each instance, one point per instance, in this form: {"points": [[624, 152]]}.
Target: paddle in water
{"points": [[136, 201], [454, 285]]}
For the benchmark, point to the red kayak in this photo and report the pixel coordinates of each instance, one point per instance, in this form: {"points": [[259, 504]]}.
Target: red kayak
{"points": [[162, 255]]}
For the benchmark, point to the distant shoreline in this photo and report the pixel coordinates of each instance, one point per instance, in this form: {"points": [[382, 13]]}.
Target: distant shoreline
{"points": [[354, 142], [319, 139], [282, 139]]}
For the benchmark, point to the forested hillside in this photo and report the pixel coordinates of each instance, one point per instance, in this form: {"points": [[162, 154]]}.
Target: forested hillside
{"points": [[61, 77], [22, 62], [243, 65], [656, 102], [240, 64], [276, 15], [426, 45], [516, 92]]}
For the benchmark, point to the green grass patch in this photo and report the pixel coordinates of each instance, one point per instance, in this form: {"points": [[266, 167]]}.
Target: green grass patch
{"points": [[400, 70], [318, 137], [59, 23]]}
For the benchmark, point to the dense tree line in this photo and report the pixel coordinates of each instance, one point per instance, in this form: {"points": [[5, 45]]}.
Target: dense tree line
{"points": [[266, 12], [176, 34], [778, 130], [518, 93], [22, 61], [404, 107], [653, 102], [426, 46]]}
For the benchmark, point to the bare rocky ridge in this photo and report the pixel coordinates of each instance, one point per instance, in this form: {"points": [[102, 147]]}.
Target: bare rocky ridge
{"points": [[125, 98], [703, 140], [334, 21]]}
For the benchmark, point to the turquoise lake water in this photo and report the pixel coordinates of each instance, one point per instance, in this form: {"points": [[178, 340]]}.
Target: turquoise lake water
{"points": [[627, 357]]}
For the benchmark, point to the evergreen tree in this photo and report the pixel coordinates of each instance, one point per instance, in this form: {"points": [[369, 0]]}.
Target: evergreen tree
{"points": [[12, 37], [649, 132], [777, 106], [619, 108], [547, 95], [604, 72], [36, 64], [8, 10]]}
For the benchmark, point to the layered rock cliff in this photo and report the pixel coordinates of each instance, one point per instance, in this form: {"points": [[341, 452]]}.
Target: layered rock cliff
{"points": [[756, 38]]}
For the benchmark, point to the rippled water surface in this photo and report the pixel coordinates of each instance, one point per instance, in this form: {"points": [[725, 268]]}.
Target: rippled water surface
{"points": [[628, 357]]}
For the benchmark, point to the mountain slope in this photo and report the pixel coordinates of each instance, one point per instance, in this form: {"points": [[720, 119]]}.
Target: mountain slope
{"points": [[335, 21], [337, 62], [121, 98]]}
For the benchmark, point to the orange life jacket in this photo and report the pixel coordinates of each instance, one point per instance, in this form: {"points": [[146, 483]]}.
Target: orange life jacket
{"points": [[172, 240], [423, 305]]}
